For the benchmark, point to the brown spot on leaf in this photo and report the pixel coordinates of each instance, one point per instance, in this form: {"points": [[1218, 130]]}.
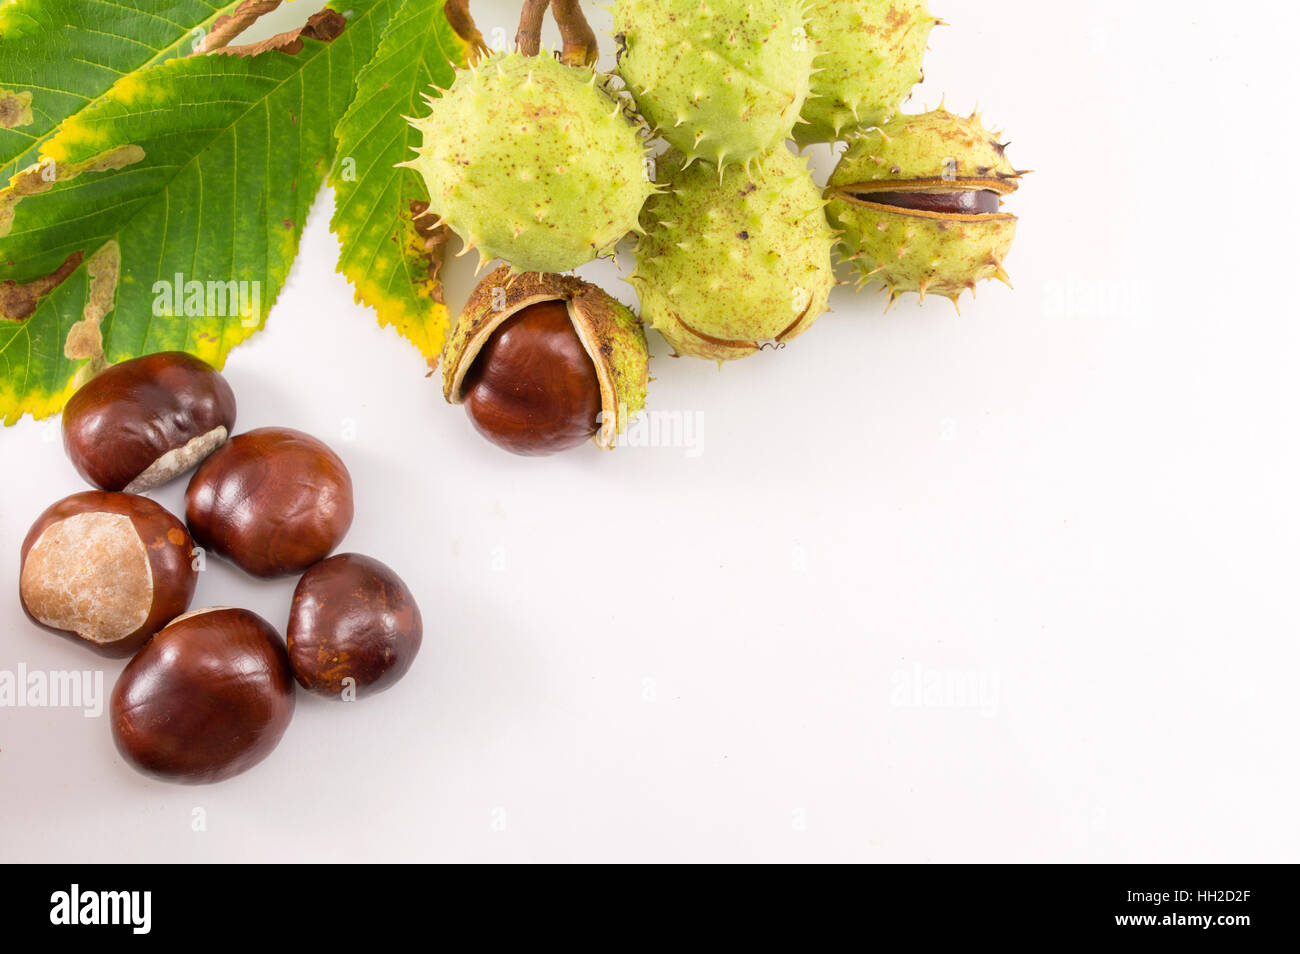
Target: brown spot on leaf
{"points": [[18, 301], [430, 245], [15, 108], [84, 340], [41, 177]]}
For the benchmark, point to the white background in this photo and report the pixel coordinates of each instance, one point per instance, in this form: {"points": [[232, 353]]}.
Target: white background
{"points": [[1079, 497]]}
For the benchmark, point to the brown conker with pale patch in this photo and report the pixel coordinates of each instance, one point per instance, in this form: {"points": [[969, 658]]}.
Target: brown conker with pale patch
{"points": [[354, 626], [273, 501], [209, 697], [140, 423], [110, 569]]}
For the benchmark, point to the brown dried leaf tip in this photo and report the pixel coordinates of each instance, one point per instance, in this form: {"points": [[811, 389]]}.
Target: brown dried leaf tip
{"points": [[325, 26]]}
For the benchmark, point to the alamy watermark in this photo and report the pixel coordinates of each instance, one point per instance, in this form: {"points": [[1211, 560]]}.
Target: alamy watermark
{"points": [[1078, 297], [922, 688], [76, 906], [662, 428], [208, 299], [60, 689]]}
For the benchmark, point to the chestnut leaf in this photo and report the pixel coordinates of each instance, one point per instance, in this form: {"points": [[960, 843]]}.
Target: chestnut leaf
{"points": [[92, 44], [390, 255], [202, 167]]}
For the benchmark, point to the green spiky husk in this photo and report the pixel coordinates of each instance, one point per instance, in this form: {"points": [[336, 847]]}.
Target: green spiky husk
{"points": [[913, 251], [731, 262], [532, 162], [869, 58], [722, 80]]}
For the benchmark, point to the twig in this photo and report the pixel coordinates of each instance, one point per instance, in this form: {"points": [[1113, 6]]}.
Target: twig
{"points": [[226, 28], [580, 48], [458, 15], [529, 37]]}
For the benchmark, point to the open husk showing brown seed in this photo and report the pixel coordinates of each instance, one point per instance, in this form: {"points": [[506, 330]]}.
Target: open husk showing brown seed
{"points": [[610, 333]]}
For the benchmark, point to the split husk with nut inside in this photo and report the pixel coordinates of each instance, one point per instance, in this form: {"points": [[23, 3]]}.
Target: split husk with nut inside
{"points": [[918, 203], [611, 335]]}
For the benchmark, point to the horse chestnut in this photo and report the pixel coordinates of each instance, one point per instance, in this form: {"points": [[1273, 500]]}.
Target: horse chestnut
{"points": [[533, 389], [918, 204], [544, 363], [109, 568], [209, 697], [272, 500], [140, 423], [352, 618]]}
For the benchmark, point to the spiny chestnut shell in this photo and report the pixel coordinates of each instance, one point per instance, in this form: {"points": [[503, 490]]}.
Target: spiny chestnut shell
{"points": [[352, 618], [729, 263], [209, 697], [869, 58], [142, 422], [489, 358], [533, 162], [722, 81], [272, 500], [912, 250], [108, 568]]}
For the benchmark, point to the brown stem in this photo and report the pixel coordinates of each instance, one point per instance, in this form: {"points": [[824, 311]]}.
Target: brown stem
{"points": [[580, 48], [529, 37], [458, 15], [226, 28]]}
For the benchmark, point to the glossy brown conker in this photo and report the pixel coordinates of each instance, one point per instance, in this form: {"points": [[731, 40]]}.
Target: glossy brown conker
{"points": [[108, 568], [274, 501], [544, 361], [354, 629], [208, 697], [533, 388], [140, 423]]}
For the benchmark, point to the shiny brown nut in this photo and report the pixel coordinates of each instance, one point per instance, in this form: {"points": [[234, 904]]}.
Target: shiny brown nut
{"points": [[110, 569], [354, 628], [945, 202], [274, 501], [140, 423], [544, 362], [533, 388], [209, 697]]}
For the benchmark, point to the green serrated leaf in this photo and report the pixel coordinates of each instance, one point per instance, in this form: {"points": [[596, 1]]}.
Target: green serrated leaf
{"points": [[390, 259], [59, 56], [200, 173]]}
